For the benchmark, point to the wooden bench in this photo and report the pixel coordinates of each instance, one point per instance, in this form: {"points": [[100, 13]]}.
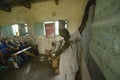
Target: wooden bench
{"points": [[24, 51], [1, 57]]}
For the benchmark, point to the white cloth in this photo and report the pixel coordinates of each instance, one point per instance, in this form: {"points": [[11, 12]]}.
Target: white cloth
{"points": [[68, 59]]}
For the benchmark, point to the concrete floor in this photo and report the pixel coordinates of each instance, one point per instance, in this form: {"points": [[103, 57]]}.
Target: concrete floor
{"points": [[32, 70]]}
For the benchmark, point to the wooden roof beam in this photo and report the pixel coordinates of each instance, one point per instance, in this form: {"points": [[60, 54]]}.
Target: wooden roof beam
{"points": [[4, 7], [56, 2], [24, 3]]}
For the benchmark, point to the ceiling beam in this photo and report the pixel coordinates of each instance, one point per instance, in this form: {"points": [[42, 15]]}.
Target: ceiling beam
{"points": [[24, 3], [4, 7], [56, 2]]}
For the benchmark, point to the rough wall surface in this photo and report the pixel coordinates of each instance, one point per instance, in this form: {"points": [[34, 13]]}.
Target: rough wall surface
{"points": [[45, 11], [66, 9], [105, 43]]}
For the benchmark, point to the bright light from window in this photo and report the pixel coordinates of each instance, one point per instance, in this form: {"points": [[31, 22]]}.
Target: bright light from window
{"points": [[15, 28], [26, 29], [66, 24], [56, 26]]}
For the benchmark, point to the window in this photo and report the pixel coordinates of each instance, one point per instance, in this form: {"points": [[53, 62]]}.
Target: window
{"points": [[20, 29], [56, 26], [49, 28], [15, 28], [6, 30]]}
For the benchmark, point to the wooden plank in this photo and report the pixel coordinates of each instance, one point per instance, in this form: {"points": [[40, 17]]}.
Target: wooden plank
{"points": [[29, 53], [4, 6], [24, 3], [56, 2], [1, 56], [21, 51]]}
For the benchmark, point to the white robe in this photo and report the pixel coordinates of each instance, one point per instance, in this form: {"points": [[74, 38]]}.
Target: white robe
{"points": [[69, 59]]}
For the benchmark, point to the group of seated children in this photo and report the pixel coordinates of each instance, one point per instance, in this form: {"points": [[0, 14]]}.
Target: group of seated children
{"points": [[10, 47]]}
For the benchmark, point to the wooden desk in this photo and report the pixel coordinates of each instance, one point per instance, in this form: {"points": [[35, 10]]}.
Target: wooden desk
{"points": [[55, 62], [22, 51], [1, 57]]}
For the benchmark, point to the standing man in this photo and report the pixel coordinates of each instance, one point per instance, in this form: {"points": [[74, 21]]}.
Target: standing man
{"points": [[69, 62]]}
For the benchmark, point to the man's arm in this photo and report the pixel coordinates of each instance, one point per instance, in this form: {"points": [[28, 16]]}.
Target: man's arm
{"points": [[64, 47]]}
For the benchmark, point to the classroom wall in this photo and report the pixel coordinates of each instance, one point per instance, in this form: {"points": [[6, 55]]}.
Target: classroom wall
{"points": [[104, 46], [45, 11]]}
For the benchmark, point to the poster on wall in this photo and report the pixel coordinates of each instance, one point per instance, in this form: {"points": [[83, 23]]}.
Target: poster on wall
{"points": [[50, 30]]}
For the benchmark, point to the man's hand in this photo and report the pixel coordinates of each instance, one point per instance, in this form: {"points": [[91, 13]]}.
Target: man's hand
{"points": [[58, 52], [66, 45]]}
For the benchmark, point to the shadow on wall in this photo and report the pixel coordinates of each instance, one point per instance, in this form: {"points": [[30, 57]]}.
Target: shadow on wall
{"points": [[94, 69]]}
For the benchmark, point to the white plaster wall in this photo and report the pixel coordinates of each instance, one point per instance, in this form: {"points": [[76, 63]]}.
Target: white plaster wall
{"points": [[71, 10]]}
